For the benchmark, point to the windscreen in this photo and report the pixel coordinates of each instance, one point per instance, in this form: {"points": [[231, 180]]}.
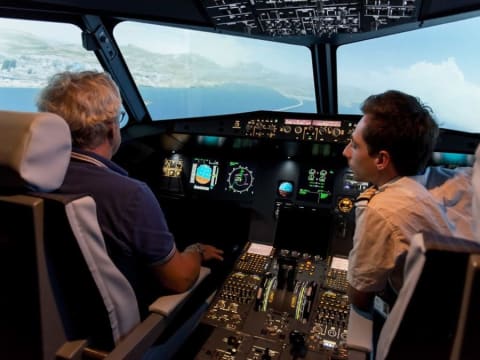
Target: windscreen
{"points": [[31, 52], [185, 73], [438, 64]]}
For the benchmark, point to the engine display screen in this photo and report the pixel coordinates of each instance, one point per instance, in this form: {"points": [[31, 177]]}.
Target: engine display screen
{"points": [[172, 167], [172, 175], [316, 185]]}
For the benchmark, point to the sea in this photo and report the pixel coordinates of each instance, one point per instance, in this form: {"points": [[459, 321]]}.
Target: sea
{"points": [[172, 103]]}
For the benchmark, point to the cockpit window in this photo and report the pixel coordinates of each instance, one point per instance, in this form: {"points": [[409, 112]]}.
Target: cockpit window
{"points": [[439, 64], [185, 73], [31, 52]]}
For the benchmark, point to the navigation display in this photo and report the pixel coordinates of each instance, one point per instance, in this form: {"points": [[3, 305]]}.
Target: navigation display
{"points": [[204, 174], [315, 185], [240, 178]]}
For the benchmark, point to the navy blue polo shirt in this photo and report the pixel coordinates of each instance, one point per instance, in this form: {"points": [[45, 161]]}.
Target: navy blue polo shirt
{"points": [[132, 222]]}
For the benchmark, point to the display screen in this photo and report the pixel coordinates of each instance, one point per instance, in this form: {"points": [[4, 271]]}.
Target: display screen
{"points": [[260, 249], [331, 123], [453, 159], [339, 263], [204, 174], [315, 185], [305, 122], [304, 229], [172, 167], [240, 178], [285, 189], [172, 179], [308, 122]]}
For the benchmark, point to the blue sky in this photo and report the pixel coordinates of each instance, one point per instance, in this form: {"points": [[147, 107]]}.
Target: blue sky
{"points": [[438, 64], [223, 49], [66, 33]]}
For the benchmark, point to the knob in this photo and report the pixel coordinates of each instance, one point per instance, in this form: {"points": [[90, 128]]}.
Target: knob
{"points": [[297, 341], [266, 355]]}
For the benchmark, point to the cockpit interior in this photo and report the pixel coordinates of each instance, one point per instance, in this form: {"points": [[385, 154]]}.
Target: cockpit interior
{"points": [[236, 113]]}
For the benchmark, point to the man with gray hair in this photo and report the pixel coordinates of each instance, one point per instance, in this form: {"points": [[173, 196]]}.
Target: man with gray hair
{"points": [[133, 224]]}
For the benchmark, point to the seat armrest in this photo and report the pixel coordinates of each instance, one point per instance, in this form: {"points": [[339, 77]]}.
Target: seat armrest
{"points": [[131, 347], [136, 343], [360, 329], [139, 340], [165, 305], [71, 350]]}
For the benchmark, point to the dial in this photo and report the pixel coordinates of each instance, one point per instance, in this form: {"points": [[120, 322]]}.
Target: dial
{"points": [[240, 179]]}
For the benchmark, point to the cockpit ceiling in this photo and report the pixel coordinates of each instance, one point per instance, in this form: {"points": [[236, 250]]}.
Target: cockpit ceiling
{"points": [[308, 17]]}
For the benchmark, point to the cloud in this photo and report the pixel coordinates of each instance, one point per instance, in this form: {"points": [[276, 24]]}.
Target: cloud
{"points": [[454, 99]]}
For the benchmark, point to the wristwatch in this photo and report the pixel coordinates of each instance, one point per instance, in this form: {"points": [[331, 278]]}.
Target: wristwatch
{"points": [[198, 248]]}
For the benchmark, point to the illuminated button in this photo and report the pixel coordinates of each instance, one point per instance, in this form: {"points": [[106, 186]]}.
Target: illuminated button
{"points": [[345, 205]]}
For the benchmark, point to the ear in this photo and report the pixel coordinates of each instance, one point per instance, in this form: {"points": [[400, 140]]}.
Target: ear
{"points": [[110, 134], [382, 160]]}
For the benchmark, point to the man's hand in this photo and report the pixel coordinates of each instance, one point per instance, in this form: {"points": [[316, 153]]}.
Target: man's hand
{"points": [[210, 252]]}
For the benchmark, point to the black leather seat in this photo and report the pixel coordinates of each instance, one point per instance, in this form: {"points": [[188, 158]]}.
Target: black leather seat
{"points": [[426, 321], [436, 314], [62, 297]]}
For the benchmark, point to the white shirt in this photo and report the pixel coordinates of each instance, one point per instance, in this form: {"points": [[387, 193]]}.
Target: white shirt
{"points": [[384, 226]]}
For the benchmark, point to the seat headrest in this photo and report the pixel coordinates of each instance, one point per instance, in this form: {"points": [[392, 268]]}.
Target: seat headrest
{"points": [[34, 150]]}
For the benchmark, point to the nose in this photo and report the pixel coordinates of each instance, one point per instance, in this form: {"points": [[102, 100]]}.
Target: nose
{"points": [[346, 151]]}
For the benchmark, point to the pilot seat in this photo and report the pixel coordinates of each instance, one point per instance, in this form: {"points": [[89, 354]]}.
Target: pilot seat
{"points": [[62, 296]]}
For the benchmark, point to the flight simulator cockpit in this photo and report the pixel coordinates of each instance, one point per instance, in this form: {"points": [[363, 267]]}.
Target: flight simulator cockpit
{"points": [[238, 113], [274, 191]]}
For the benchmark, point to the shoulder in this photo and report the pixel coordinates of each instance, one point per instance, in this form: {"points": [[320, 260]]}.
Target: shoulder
{"points": [[104, 183], [364, 198], [404, 194], [404, 188], [122, 181]]}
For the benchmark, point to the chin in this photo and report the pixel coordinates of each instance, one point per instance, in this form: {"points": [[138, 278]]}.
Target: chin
{"points": [[358, 177]]}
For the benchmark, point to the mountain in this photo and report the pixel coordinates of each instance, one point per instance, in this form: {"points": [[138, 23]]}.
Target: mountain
{"points": [[27, 60]]}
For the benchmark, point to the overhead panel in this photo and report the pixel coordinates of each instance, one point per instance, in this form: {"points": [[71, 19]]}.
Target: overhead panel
{"points": [[307, 17]]}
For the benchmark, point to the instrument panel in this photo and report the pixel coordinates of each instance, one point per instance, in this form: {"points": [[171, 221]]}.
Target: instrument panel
{"points": [[303, 17], [276, 125], [279, 304]]}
